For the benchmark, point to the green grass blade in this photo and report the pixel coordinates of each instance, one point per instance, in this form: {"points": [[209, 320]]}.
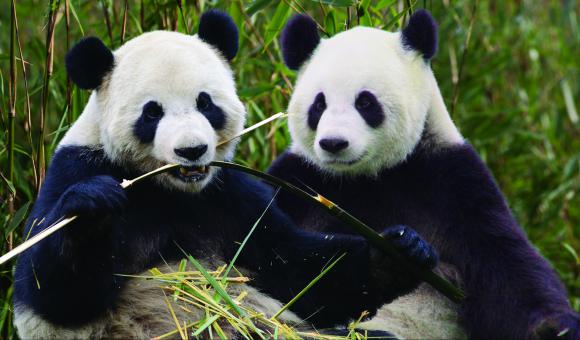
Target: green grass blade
{"points": [[307, 288]]}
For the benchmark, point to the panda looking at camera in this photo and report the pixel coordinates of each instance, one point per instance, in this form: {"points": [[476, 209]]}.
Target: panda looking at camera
{"points": [[162, 98], [370, 132]]}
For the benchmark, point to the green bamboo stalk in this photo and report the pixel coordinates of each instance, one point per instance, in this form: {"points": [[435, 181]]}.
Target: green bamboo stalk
{"points": [[443, 286], [41, 157], [12, 97], [27, 108], [105, 5], [68, 104], [456, 87], [180, 5], [11, 113]]}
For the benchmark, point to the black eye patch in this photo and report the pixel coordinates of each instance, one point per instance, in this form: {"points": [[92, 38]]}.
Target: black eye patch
{"points": [[212, 112], [316, 110], [369, 108], [146, 125]]}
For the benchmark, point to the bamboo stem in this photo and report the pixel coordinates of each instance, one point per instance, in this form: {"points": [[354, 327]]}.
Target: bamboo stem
{"points": [[26, 107], [70, 112], [11, 112], [443, 286], [124, 26], [125, 184], [105, 4], [41, 158], [456, 88]]}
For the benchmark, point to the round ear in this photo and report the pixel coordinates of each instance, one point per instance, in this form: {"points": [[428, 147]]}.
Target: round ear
{"points": [[219, 30], [88, 62], [299, 39], [421, 34]]}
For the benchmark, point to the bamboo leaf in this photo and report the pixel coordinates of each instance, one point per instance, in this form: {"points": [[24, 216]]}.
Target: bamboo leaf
{"points": [[19, 216], [336, 3], [307, 288], [330, 22], [278, 20]]}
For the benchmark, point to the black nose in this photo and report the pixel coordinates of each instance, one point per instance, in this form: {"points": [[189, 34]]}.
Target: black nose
{"points": [[333, 145], [191, 154]]}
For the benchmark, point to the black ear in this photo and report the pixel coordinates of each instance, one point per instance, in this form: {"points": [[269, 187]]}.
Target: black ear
{"points": [[88, 62], [421, 34], [299, 39], [219, 30]]}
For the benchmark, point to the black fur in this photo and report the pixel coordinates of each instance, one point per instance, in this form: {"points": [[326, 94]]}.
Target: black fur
{"points": [[88, 62], [218, 29], [214, 114], [69, 278], [369, 108], [450, 198], [316, 110], [146, 126], [420, 34], [298, 40]]}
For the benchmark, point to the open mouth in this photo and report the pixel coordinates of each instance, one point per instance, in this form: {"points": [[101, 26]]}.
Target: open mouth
{"points": [[347, 162], [190, 173]]}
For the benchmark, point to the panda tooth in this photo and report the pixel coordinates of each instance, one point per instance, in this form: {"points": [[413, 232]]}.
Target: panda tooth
{"points": [[183, 171]]}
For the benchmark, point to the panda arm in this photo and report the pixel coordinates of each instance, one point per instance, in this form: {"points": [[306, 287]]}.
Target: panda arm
{"points": [[510, 288], [67, 277], [287, 258], [293, 169]]}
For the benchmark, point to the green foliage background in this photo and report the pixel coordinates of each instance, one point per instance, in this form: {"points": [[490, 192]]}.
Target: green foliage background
{"points": [[507, 69]]}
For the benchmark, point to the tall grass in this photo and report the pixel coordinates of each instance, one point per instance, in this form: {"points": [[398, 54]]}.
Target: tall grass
{"points": [[508, 71]]}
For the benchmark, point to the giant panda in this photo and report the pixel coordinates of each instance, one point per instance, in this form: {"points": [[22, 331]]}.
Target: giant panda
{"points": [[370, 132], [166, 97]]}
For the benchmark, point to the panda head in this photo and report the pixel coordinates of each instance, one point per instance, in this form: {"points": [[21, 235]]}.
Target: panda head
{"points": [[364, 97], [163, 97]]}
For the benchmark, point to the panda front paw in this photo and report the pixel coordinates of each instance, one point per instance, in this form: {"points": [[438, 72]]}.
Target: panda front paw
{"points": [[560, 326], [410, 243], [96, 196]]}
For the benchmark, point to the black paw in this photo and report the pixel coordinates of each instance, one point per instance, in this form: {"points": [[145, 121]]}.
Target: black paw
{"points": [[93, 197], [561, 326], [412, 245]]}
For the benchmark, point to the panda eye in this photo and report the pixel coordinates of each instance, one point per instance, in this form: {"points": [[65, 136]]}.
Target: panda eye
{"points": [[320, 103], [369, 108], [363, 101], [203, 102], [152, 110], [316, 110]]}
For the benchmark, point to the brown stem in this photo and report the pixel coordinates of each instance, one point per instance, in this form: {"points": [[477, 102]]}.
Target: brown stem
{"points": [[124, 26], [463, 58], [107, 21], [68, 81], [41, 158], [27, 109]]}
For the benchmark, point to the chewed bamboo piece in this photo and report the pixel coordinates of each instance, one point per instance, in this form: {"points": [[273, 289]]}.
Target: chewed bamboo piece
{"points": [[125, 184]]}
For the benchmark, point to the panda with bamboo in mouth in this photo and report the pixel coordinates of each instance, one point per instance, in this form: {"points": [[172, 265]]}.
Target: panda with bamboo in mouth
{"points": [[165, 98], [370, 132]]}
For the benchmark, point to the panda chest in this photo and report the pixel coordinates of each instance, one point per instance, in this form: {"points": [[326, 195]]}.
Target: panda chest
{"points": [[166, 228], [380, 204]]}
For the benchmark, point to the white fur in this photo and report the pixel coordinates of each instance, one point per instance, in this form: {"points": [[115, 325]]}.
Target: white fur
{"points": [[376, 61], [142, 313], [423, 314], [172, 69], [373, 60]]}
